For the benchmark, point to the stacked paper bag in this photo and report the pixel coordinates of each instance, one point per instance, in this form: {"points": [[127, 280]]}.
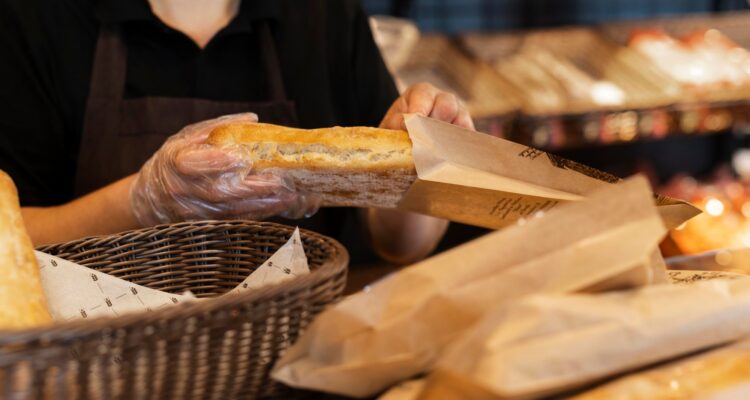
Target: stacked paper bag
{"points": [[402, 325], [548, 344]]}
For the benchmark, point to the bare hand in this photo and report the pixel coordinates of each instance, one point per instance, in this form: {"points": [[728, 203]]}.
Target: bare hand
{"points": [[427, 100]]}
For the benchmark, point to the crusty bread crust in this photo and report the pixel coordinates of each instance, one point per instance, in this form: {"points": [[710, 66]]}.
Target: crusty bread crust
{"points": [[343, 166], [22, 300], [705, 376]]}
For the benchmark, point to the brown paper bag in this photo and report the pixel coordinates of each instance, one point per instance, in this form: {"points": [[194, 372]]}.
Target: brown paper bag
{"points": [[399, 327], [718, 374], [549, 343], [481, 180]]}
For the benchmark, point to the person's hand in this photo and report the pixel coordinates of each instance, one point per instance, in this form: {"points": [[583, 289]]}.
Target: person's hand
{"points": [[188, 179], [402, 237], [427, 100]]}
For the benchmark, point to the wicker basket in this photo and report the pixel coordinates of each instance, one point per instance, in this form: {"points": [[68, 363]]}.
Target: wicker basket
{"points": [[218, 349]]}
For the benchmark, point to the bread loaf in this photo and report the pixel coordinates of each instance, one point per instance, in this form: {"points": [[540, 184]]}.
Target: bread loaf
{"points": [[355, 166], [721, 374], [22, 300]]}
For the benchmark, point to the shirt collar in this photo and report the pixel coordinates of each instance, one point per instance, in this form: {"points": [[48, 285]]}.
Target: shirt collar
{"points": [[117, 11]]}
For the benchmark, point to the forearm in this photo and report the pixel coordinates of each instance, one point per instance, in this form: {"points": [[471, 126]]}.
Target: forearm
{"points": [[402, 237], [105, 211]]}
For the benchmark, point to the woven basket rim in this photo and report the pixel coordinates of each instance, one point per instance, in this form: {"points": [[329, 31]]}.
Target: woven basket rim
{"points": [[70, 329]]}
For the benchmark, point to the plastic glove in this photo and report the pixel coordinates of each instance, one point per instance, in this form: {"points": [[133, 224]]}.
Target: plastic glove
{"points": [[188, 179]]}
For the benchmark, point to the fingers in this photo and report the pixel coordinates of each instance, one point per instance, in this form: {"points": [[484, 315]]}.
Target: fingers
{"points": [[286, 203], [394, 118], [206, 161], [427, 100], [226, 187], [445, 108], [289, 205], [417, 99], [420, 99], [394, 121], [193, 158], [463, 119], [300, 205]]}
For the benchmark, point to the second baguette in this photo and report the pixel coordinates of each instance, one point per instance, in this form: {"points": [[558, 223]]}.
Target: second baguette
{"points": [[22, 300], [347, 167]]}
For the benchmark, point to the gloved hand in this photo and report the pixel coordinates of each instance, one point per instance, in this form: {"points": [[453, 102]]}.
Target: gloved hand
{"points": [[188, 179]]}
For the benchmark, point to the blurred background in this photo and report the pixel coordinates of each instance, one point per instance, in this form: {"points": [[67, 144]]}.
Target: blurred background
{"points": [[655, 87], [457, 16]]}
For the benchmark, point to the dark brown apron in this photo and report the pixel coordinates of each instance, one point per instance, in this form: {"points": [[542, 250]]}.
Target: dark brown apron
{"points": [[120, 135]]}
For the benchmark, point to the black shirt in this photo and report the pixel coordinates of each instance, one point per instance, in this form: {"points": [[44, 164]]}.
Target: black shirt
{"points": [[330, 65]]}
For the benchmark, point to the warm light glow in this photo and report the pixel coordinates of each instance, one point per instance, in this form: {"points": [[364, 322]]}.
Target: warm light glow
{"points": [[723, 258], [746, 209], [714, 207], [741, 162], [681, 227], [607, 93]]}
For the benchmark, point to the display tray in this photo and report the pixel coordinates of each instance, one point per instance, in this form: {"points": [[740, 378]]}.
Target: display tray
{"points": [[565, 75], [709, 32], [578, 87], [734, 25], [573, 71]]}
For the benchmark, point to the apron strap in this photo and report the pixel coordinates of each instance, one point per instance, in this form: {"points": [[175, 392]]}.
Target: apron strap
{"points": [[271, 64], [102, 117], [110, 65]]}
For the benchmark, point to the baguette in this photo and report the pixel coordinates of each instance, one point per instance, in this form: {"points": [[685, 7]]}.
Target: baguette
{"points": [[344, 167], [22, 300], [717, 374]]}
